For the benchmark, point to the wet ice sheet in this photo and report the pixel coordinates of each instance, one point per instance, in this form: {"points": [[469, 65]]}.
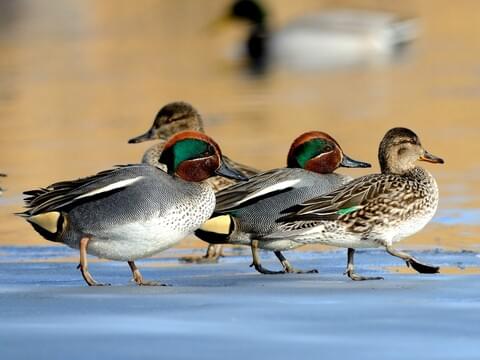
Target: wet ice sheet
{"points": [[228, 311], [458, 217]]}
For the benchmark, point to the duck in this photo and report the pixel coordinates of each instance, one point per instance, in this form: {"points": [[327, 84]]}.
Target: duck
{"points": [[1, 190], [375, 210], [247, 212], [172, 118], [333, 38], [133, 211]]}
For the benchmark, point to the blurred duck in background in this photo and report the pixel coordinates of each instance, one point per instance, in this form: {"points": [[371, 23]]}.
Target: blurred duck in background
{"points": [[247, 211], [171, 119], [333, 38], [1, 190], [132, 211]]}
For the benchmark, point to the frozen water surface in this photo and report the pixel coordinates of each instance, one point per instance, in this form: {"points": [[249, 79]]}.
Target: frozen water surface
{"points": [[227, 311]]}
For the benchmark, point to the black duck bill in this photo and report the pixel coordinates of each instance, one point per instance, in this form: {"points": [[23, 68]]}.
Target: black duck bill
{"points": [[229, 172], [348, 162], [149, 135]]}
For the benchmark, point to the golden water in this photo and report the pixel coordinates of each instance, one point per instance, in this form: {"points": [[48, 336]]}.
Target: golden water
{"points": [[79, 78]]}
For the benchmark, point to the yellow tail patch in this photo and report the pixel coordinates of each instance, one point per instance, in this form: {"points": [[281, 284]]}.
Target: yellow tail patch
{"points": [[218, 224], [47, 221]]}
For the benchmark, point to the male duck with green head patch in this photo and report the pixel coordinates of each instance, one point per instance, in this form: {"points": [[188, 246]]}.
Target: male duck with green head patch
{"points": [[246, 212], [133, 211]]}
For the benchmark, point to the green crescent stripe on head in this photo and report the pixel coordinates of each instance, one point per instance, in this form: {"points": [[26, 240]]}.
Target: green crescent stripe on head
{"points": [[189, 149], [309, 150]]}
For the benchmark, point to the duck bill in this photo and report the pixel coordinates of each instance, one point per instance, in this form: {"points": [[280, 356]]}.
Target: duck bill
{"points": [[431, 158], [230, 173], [149, 135], [350, 163]]}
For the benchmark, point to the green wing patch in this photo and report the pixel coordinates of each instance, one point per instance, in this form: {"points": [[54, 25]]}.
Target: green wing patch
{"points": [[349, 210]]}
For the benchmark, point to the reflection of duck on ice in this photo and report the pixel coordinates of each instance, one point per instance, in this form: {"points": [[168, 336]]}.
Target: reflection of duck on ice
{"points": [[332, 38]]}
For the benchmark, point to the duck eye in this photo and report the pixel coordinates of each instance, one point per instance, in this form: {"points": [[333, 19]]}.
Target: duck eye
{"points": [[328, 148], [169, 120]]}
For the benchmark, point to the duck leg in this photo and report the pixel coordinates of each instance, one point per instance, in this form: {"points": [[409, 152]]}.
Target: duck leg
{"points": [[138, 278], [411, 261], [288, 268], [214, 251], [350, 271], [83, 266], [256, 261]]}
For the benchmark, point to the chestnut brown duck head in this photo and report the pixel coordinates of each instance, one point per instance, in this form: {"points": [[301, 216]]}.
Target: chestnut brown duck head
{"points": [[194, 156], [319, 152]]}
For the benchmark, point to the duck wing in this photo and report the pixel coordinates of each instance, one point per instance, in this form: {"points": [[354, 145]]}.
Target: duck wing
{"points": [[257, 188], [61, 195], [353, 200]]}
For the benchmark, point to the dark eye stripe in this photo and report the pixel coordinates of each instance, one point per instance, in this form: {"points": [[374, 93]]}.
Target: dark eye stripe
{"points": [[173, 119], [406, 141]]}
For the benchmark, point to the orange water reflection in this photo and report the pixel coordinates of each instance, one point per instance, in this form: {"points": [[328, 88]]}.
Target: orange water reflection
{"points": [[79, 78]]}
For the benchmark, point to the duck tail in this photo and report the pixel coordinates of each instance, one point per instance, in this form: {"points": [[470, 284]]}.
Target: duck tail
{"points": [[50, 225], [217, 229]]}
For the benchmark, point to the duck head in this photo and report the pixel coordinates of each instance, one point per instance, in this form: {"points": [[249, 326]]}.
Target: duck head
{"points": [[319, 152], [248, 10], [400, 149], [194, 156], [171, 119]]}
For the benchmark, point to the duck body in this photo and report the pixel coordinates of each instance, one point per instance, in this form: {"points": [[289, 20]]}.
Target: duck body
{"points": [[253, 206], [154, 212], [405, 205], [332, 38], [342, 37]]}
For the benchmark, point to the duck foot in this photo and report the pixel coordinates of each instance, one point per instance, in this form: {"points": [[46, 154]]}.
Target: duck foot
{"points": [[411, 261], [289, 269], [265, 271], [421, 267], [214, 252], [350, 272], [83, 266], [88, 277], [138, 278], [257, 264], [355, 277]]}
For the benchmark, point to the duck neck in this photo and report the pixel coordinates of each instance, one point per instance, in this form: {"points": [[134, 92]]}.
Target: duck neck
{"points": [[391, 163], [152, 155]]}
